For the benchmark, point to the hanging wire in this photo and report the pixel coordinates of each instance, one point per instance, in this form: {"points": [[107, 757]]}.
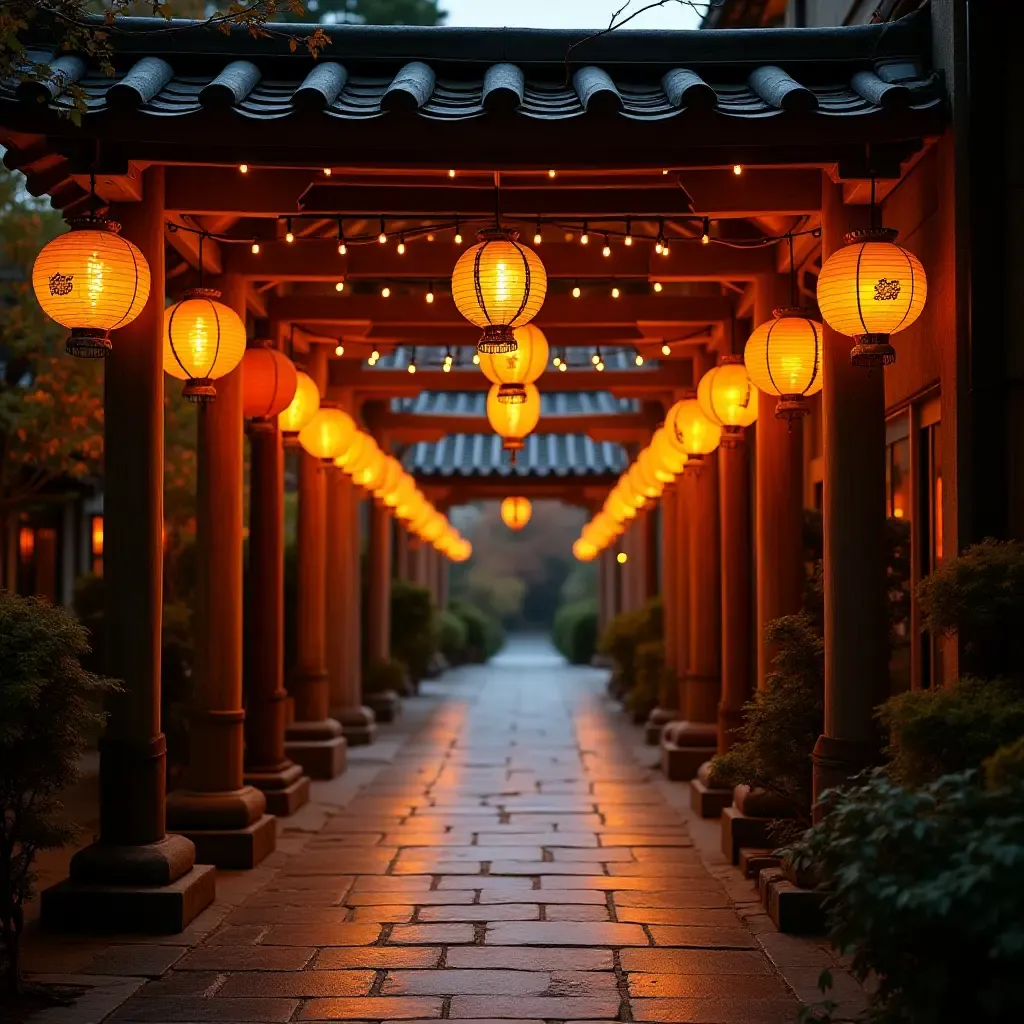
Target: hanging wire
{"points": [[792, 273]]}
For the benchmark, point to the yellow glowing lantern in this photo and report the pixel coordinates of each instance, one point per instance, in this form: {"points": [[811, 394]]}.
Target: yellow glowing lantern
{"points": [[303, 406], [514, 370], [726, 396], [393, 473], [402, 492], [410, 506], [434, 527], [352, 452], [92, 281], [584, 551], [641, 484], [461, 551], [516, 512], [328, 433], [691, 431], [783, 358], [618, 507], [203, 340], [368, 470], [498, 285], [869, 290], [269, 381], [97, 535], [513, 422], [653, 468], [668, 456]]}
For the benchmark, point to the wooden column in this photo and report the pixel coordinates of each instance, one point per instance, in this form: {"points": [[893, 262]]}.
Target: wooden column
{"points": [[378, 580], [346, 705], [403, 556], [267, 766], [667, 708], [856, 626], [778, 500], [225, 818], [314, 739], [652, 549], [704, 677], [443, 566], [684, 525], [134, 851]]}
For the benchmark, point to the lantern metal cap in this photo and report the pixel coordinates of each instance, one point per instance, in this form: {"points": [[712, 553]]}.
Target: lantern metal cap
{"points": [[872, 350], [497, 234], [92, 222], [202, 293], [511, 394], [791, 407], [199, 390], [797, 312], [497, 339], [732, 436], [731, 359], [871, 235], [88, 343]]}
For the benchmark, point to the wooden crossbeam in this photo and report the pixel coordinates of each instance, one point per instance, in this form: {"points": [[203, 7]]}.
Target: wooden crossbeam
{"points": [[587, 491], [408, 428]]}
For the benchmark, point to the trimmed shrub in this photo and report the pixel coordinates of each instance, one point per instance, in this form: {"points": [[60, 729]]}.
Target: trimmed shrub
{"points": [[385, 674], [413, 631], [485, 637], [452, 637], [575, 631], [1006, 766], [649, 670], [622, 636]]}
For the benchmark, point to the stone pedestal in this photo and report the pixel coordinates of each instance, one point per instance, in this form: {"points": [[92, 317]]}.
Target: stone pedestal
{"points": [[709, 796], [386, 705], [685, 746], [656, 721], [319, 747], [228, 829]]}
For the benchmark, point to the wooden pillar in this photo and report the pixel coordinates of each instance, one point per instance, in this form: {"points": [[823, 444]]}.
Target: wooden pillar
{"points": [[225, 818], [267, 767], [134, 851], [667, 708], [443, 565], [354, 623], [684, 526], [856, 625], [378, 581], [652, 547], [403, 556], [314, 739], [346, 706], [779, 498]]}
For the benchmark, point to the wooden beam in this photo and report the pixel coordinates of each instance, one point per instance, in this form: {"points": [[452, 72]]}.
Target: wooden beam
{"points": [[587, 490], [558, 337], [408, 428]]}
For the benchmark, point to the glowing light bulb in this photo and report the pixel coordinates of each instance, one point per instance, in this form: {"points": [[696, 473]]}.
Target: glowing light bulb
{"points": [[327, 172], [411, 367], [340, 286], [451, 174], [430, 236], [599, 367], [244, 168], [375, 355], [557, 361], [289, 236], [576, 292], [255, 248], [476, 358], [447, 368], [737, 168], [628, 240], [385, 292], [657, 286], [665, 171], [383, 238], [536, 238], [615, 293], [666, 350], [458, 238], [664, 248], [563, 367], [595, 359], [658, 246], [339, 350], [342, 248], [430, 296], [607, 250], [622, 558], [552, 174], [585, 238], [401, 248], [705, 236], [639, 360]]}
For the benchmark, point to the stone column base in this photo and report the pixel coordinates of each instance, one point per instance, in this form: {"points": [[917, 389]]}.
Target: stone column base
{"points": [[237, 849], [685, 746], [153, 888], [707, 796], [656, 721], [358, 725], [386, 705], [319, 747], [229, 830], [286, 789]]}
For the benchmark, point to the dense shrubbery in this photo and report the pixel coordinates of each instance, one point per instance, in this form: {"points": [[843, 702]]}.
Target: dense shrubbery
{"points": [[413, 630], [623, 635], [649, 670], [575, 631], [452, 637], [484, 635], [385, 674]]}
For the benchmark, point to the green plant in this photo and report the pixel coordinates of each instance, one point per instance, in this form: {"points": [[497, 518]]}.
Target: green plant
{"points": [[413, 632], [484, 634], [980, 596], [575, 631], [623, 634], [937, 732], [384, 674], [452, 637], [48, 709], [1006, 766], [926, 893], [783, 721], [649, 670]]}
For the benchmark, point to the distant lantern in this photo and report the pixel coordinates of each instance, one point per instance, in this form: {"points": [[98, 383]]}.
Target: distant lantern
{"points": [[650, 462], [618, 508], [389, 482], [727, 397], [498, 285], [642, 484], [691, 431], [513, 422], [516, 512], [328, 433], [870, 289], [783, 358], [461, 551], [353, 452], [303, 406], [92, 281], [669, 457], [514, 370], [584, 551], [203, 341], [269, 382]]}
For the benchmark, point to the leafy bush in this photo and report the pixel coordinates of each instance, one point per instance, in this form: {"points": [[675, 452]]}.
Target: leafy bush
{"points": [[623, 634], [385, 674], [650, 670], [784, 720], [452, 637], [413, 632], [575, 631], [48, 710], [485, 637], [926, 892], [1006, 766], [980, 596], [937, 732]]}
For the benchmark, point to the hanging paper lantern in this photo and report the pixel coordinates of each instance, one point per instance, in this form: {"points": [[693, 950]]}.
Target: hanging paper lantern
{"points": [[269, 381], [514, 370], [870, 289], [691, 431], [328, 433], [726, 396], [618, 507], [352, 452], [669, 458], [783, 358], [368, 470], [641, 484], [461, 551], [303, 406], [498, 285], [203, 341], [390, 480], [434, 527], [402, 492], [653, 469], [584, 551], [516, 512], [513, 422], [92, 281]]}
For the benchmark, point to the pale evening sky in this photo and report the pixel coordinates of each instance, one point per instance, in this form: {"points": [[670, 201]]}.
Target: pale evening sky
{"points": [[566, 13]]}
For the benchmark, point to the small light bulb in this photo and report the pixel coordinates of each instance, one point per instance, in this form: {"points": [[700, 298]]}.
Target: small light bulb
{"points": [[244, 168], [705, 239], [595, 359], [557, 361], [339, 350], [375, 355], [289, 236], [447, 368], [657, 286], [666, 350], [430, 296], [552, 174], [430, 236], [639, 360], [584, 239], [327, 172], [615, 293], [536, 238], [576, 292], [458, 238], [255, 248], [340, 286], [412, 367], [705, 236], [628, 240], [664, 249], [342, 248], [563, 367], [401, 248], [382, 238], [476, 358], [737, 168], [622, 558], [385, 292], [451, 174], [568, 236], [665, 171], [600, 367], [658, 246], [607, 250]]}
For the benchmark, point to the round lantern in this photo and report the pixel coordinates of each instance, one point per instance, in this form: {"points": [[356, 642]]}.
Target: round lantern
{"points": [[402, 493], [653, 469], [514, 370], [92, 281], [461, 551], [618, 507], [435, 526], [353, 451], [584, 551], [393, 473], [669, 457], [640, 483], [516, 512], [368, 469], [303, 406], [269, 381], [870, 289], [726, 396], [691, 431], [203, 340], [783, 358], [328, 433], [498, 285], [513, 422]]}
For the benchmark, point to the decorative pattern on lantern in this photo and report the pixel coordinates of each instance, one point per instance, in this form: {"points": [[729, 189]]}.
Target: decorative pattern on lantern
{"points": [[513, 422], [783, 358], [498, 285], [514, 370], [516, 512], [691, 431], [726, 396], [269, 381], [203, 341], [303, 406], [328, 433], [869, 290], [92, 281]]}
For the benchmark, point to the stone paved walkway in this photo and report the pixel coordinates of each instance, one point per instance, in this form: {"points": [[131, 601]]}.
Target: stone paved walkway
{"points": [[513, 861]]}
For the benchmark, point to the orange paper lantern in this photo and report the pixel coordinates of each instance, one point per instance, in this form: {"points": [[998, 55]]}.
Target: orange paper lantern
{"points": [[203, 341], [516, 512], [328, 433], [727, 397], [691, 431], [513, 422], [303, 406], [783, 358], [269, 381], [514, 370]]}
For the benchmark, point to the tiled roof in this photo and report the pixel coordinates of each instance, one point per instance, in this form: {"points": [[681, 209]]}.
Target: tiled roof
{"points": [[552, 403]]}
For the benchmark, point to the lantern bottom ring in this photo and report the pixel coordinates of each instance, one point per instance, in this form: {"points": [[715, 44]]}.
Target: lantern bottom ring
{"points": [[694, 463], [88, 343], [732, 436], [873, 350], [199, 390], [791, 407], [511, 394], [497, 339], [261, 425]]}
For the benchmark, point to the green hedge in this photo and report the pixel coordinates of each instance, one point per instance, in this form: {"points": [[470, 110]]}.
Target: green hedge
{"points": [[575, 631], [621, 638], [452, 637], [484, 635], [413, 630]]}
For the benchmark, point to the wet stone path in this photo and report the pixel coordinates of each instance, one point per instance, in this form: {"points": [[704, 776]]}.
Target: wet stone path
{"points": [[512, 862]]}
